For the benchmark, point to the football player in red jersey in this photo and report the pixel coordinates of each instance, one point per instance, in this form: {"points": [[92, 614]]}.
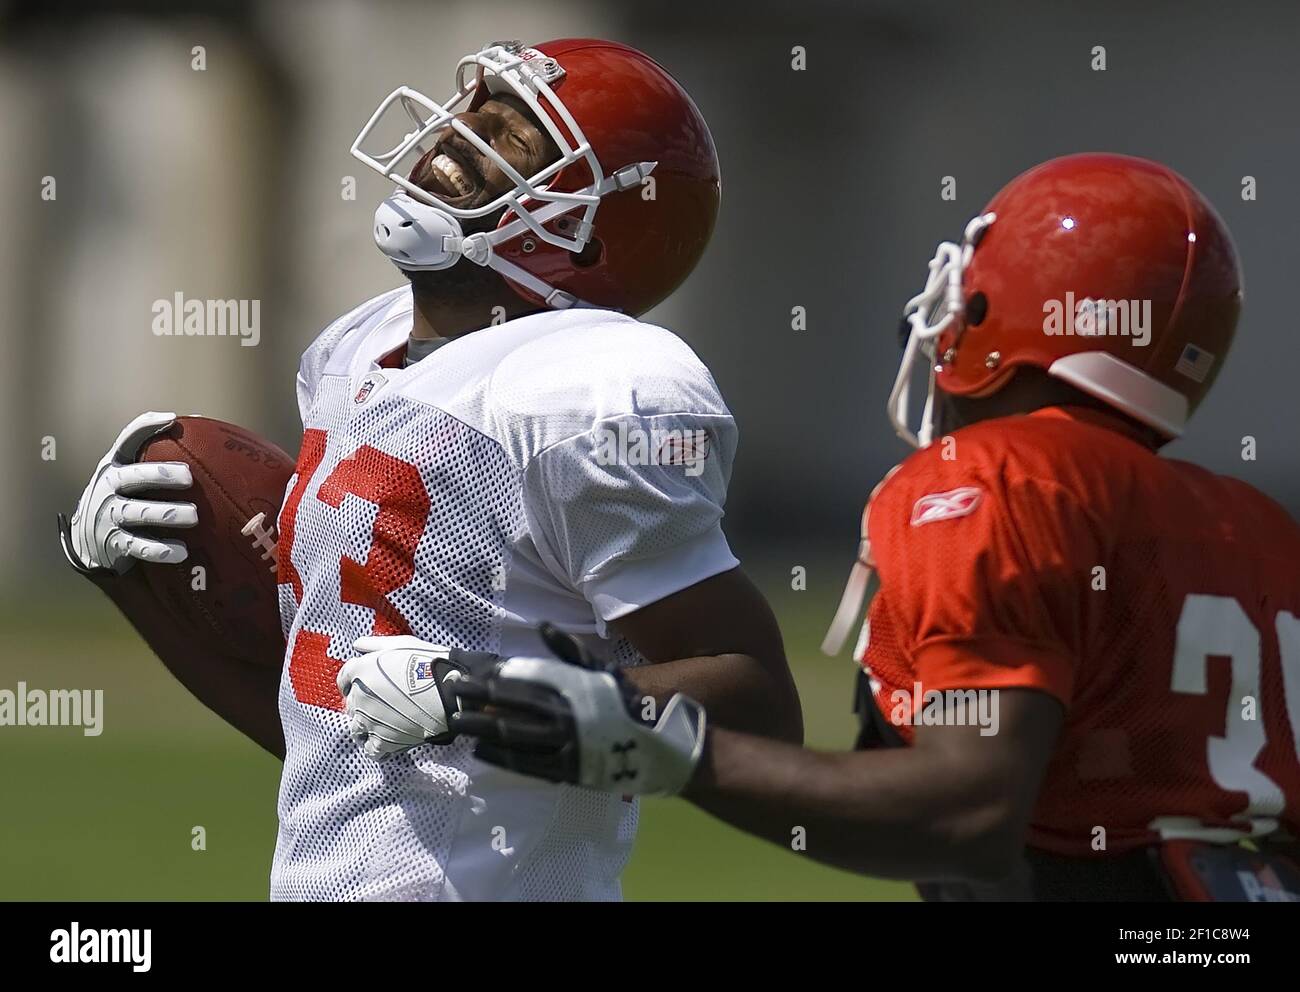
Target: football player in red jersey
{"points": [[1082, 660]]}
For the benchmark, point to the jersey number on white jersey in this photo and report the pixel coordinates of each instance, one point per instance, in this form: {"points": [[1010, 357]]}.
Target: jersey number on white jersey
{"points": [[396, 488]]}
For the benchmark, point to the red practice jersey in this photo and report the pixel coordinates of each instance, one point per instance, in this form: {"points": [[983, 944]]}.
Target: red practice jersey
{"points": [[1160, 603]]}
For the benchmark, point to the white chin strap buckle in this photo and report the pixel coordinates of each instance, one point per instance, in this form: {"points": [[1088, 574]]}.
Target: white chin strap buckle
{"points": [[421, 238], [418, 237]]}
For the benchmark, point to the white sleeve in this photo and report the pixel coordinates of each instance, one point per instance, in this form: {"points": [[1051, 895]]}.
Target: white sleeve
{"points": [[313, 363], [318, 353], [305, 389], [630, 511]]}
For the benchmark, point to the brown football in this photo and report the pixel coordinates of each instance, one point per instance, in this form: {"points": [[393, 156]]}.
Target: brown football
{"points": [[226, 588]]}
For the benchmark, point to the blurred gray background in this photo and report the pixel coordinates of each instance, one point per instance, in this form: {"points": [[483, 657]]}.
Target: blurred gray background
{"points": [[225, 183]]}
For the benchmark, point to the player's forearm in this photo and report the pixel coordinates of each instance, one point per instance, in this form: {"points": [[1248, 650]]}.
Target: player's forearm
{"points": [[737, 690], [245, 696], [891, 813]]}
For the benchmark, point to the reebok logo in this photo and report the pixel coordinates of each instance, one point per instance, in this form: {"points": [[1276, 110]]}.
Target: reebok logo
{"points": [[945, 506]]}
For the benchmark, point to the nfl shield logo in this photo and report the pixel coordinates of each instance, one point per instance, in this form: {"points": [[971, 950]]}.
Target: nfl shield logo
{"points": [[419, 674], [368, 386]]}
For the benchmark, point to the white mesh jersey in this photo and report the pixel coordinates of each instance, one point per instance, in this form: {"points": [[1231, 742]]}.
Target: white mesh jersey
{"points": [[567, 466]]}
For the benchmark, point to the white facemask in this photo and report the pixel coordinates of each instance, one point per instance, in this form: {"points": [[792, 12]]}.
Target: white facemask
{"points": [[419, 232], [929, 314]]}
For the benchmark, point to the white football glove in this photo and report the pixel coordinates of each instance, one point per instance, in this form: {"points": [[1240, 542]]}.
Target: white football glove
{"points": [[567, 721], [396, 694], [99, 534]]}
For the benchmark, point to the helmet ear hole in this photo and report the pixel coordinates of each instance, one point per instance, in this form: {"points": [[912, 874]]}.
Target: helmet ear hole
{"points": [[977, 308], [591, 253]]}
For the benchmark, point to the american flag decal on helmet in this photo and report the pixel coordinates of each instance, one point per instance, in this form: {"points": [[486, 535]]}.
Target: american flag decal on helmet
{"points": [[1195, 363], [944, 506]]}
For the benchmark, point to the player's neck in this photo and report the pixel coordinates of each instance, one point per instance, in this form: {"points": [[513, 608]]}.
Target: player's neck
{"points": [[440, 321], [439, 318]]}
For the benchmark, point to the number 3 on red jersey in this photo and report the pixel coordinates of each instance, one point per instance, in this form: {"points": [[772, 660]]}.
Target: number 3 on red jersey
{"points": [[1217, 625], [396, 488]]}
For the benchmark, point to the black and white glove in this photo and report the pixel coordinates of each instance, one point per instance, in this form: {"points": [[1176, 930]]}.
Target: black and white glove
{"points": [[574, 721], [396, 691], [100, 534]]}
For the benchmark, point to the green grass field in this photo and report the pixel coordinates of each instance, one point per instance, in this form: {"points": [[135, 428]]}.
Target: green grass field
{"points": [[111, 817]]}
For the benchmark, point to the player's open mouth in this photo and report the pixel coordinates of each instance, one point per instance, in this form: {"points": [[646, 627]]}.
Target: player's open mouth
{"points": [[453, 174], [458, 178]]}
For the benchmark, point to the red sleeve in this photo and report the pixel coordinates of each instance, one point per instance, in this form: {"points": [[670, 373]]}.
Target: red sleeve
{"points": [[984, 576]]}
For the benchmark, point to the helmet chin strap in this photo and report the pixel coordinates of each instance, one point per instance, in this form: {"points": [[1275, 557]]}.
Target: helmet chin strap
{"points": [[420, 237]]}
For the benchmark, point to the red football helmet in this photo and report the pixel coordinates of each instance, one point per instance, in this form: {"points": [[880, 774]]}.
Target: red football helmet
{"points": [[618, 222], [1109, 272]]}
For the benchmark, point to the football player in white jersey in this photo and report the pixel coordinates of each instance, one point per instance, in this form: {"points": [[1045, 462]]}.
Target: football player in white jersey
{"points": [[498, 444]]}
